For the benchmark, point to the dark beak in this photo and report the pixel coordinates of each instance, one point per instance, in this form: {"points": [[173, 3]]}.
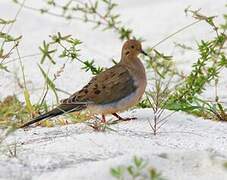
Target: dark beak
{"points": [[144, 53]]}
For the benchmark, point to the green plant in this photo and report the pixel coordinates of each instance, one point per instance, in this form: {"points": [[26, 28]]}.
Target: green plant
{"points": [[64, 48], [12, 112], [225, 165], [92, 12], [5, 133], [67, 49], [206, 70], [9, 40], [87, 11], [137, 170], [157, 99], [186, 97]]}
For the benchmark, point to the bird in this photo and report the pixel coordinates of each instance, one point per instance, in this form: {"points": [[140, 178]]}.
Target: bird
{"points": [[112, 91]]}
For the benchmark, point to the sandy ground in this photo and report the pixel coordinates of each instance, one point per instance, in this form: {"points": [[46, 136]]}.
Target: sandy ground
{"points": [[186, 147]]}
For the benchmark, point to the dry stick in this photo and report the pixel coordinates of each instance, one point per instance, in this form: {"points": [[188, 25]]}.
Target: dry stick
{"points": [[63, 91], [176, 32], [167, 116], [162, 124], [8, 54], [159, 115], [154, 109], [22, 67], [165, 90], [160, 111], [45, 91], [22, 57], [151, 125]]}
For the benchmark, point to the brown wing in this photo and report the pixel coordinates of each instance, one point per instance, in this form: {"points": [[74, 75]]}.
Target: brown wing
{"points": [[109, 86]]}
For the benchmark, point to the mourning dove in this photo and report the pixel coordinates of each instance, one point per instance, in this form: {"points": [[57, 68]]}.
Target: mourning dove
{"points": [[113, 90]]}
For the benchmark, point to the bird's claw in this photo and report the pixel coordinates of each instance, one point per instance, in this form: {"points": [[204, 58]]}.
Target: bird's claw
{"points": [[122, 119]]}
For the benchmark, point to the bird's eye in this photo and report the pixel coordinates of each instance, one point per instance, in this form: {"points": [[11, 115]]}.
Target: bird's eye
{"points": [[132, 47]]}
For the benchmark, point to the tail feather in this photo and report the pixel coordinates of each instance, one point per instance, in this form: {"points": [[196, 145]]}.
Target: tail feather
{"points": [[63, 108], [37, 119]]}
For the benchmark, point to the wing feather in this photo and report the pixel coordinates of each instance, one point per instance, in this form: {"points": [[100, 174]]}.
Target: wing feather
{"points": [[109, 86]]}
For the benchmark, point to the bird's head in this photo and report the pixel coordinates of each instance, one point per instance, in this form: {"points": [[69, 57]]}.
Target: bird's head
{"points": [[131, 49]]}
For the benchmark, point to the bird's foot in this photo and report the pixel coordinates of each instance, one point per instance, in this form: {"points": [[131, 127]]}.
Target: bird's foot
{"points": [[103, 124], [97, 126], [100, 125], [121, 118]]}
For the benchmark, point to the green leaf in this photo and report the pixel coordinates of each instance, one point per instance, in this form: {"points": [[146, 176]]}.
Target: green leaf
{"points": [[2, 21], [117, 172], [154, 175], [138, 161], [9, 38], [47, 52], [49, 82], [225, 165], [28, 101], [221, 108], [131, 170], [4, 68]]}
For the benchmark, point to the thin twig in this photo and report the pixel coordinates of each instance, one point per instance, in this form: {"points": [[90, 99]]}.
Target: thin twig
{"points": [[176, 32]]}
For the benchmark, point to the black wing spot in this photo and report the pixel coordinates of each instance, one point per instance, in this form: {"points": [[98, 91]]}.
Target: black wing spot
{"points": [[97, 91], [79, 97], [74, 98]]}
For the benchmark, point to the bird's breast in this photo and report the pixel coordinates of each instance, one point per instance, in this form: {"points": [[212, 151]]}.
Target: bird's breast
{"points": [[125, 103]]}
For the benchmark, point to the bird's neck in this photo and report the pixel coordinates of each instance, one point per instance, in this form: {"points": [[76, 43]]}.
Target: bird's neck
{"points": [[135, 66]]}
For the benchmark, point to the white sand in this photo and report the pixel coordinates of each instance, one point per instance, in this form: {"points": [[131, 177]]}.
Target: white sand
{"points": [[187, 148]]}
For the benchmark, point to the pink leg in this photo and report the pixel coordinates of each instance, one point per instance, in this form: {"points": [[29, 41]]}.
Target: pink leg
{"points": [[121, 118], [103, 119], [97, 126]]}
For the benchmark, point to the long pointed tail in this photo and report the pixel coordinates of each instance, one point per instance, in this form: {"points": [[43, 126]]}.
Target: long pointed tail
{"points": [[63, 108], [37, 119]]}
